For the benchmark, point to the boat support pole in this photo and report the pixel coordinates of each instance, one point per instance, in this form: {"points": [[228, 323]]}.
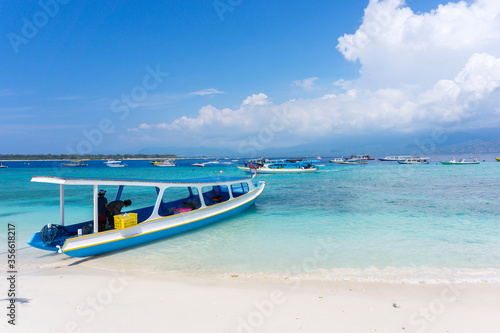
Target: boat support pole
{"points": [[96, 217], [119, 193], [61, 202], [202, 199]]}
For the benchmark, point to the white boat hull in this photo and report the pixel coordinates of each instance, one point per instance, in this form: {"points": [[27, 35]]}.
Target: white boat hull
{"points": [[353, 162], [115, 164], [394, 158], [413, 162], [274, 171]]}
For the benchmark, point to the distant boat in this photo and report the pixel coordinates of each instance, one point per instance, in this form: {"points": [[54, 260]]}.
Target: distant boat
{"points": [[306, 160], [354, 162], [75, 164], [3, 166], [337, 160], [201, 165], [394, 158], [462, 161], [498, 159], [415, 160], [114, 164], [169, 162], [355, 158], [280, 166]]}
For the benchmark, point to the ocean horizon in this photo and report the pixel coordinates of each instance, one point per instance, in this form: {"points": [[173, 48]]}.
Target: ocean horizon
{"points": [[378, 222]]}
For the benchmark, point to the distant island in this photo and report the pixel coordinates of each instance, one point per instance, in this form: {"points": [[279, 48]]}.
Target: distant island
{"points": [[41, 157], [472, 146]]}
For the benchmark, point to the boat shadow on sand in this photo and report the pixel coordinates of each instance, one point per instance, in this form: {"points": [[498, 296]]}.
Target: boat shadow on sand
{"points": [[84, 260]]}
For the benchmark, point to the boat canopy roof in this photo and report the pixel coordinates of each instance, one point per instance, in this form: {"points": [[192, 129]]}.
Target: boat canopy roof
{"points": [[133, 182]]}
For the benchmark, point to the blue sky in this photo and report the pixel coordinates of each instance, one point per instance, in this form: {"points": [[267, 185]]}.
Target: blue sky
{"points": [[123, 76]]}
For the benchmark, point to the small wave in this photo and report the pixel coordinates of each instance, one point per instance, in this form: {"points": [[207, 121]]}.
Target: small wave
{"points": [[387, 275]]}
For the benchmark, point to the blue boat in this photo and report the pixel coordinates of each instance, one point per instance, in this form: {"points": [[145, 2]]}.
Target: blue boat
{"points": [[179, 206]]}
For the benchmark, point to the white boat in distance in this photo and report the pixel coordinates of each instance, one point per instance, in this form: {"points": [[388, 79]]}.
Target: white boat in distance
{"points": [[114, 164], [354, 162], [169, 162], [357, 158], [416, 160], [337, 160], [178, 206], [395, 158], [3, 166], [201, 165], [462, 161]]}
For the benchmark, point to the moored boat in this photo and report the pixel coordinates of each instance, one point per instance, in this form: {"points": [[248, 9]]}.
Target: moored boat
{"points": [[115, 164], [394, 158], [179, 206], [355, 158], [169, 162], [462, 161], [353, 162], [415, 160], [75, 164], [281, 166], [201, 165], [3, 166], [337, 160]]}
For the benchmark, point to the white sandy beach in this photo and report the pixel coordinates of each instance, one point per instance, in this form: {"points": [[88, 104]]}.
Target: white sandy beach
{"points": [[82, 299]]}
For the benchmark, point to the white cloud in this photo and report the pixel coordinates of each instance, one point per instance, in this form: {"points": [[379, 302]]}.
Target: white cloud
{"points": [[259, 99], [418, 71], [204, 92], [396, 46], [306, 84], [355, 110], [145, 126]]}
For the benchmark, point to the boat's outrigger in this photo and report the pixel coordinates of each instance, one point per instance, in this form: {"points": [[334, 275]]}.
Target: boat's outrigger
{"points": [[179, 206]]}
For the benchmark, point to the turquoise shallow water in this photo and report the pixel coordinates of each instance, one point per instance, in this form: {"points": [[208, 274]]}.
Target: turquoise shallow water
{"points": [[375, 222]]}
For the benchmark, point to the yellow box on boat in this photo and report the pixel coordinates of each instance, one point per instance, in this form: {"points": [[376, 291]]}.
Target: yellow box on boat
{"points": [[126, 220]]}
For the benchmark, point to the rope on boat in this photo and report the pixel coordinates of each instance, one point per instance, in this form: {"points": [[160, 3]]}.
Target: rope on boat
{"points": [[50, 232]]}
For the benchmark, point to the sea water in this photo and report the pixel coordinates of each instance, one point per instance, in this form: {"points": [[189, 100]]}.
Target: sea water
{"points": [[377, 222]]}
